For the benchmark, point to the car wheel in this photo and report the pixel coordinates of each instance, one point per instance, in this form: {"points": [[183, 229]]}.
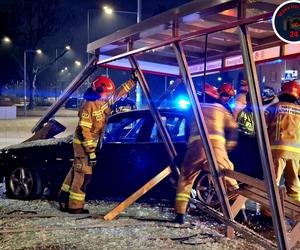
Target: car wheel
{"points": [[23, 183], [205, 189]]}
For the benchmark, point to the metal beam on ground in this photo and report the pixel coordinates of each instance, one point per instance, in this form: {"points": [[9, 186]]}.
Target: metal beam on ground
{"points": [[263, 139]]}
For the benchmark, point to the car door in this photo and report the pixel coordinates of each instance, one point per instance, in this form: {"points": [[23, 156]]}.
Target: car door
{"points": [[118, 158], [130, 156]]}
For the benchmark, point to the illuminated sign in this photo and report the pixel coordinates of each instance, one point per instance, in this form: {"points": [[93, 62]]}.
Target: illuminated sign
{"points": [[258, 55], [233, 60], [290, 49], [211, 65], [290, 74]]}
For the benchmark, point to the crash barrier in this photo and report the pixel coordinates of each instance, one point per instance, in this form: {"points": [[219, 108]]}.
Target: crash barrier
{"points": [[8, 112]]}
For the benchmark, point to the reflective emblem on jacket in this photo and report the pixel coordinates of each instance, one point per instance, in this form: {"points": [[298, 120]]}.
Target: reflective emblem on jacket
{"points": [[245, 122], [93, 116], [283, 119]]}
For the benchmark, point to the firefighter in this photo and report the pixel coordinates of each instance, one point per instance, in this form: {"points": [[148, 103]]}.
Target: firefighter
{"points": [[283, 119], [93, 116], [226, 92], [268, 96], [240, 101], [222, 130]]}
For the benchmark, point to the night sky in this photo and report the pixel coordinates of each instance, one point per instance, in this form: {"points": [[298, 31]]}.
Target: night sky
{"points": [[71, 20]]}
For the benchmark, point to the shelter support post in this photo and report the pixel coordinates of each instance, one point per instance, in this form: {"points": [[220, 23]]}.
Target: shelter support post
{"points": [[262, 138], [155, 113], [89, 68], [169, 90], [166, 139], [218, 182]]}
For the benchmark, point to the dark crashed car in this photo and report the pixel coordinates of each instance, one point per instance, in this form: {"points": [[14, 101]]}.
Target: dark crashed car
{"points": [[132, 153]]}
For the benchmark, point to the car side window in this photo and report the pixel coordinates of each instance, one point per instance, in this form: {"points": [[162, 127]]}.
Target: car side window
{"points": [[123, 130], [175, 126]]}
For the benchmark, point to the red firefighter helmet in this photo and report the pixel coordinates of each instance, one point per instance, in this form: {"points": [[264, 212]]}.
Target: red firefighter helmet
{"points": [[211, 91], [103, 84], [290, 88], [226, 89]]}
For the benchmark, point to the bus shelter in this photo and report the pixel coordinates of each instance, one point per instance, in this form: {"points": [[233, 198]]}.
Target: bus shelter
{"points": [[197, 39]]}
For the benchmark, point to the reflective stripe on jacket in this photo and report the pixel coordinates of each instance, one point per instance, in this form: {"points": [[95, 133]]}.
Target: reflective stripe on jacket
{"points": [[93, 116], [222, 128], [283, 119]]}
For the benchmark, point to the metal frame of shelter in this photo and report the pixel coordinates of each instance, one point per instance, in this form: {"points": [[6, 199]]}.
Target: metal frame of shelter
{"points": [[285, 240]]}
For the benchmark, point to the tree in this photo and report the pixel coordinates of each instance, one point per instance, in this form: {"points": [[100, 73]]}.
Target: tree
{"points": [[28, 22]]}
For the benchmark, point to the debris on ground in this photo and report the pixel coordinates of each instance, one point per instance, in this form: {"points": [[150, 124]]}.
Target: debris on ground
{"points": [[38, 224]]}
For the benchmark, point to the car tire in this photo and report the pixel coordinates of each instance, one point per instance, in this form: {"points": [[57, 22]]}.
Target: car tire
{"points": [[205, 191], [23, 183]]}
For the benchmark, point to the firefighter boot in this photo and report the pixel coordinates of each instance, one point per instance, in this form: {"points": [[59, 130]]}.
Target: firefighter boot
{"points": [[78, 211], [180, 218]]}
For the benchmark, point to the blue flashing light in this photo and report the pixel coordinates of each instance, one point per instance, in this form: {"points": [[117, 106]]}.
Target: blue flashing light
{"points": [[183, 102], [232, 105]]}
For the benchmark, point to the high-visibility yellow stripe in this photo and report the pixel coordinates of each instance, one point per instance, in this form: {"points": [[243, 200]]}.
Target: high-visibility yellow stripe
{"points": [[126, 87], [217, 137], [65, 187], [182, 195], [295, 196], [86, 124], [76, 141], [92, 156], [287, 148], [76, 196], [182, 199], [89, 143]]}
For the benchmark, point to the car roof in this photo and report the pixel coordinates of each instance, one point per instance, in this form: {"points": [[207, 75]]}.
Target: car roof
{"points": [[146, 112]]}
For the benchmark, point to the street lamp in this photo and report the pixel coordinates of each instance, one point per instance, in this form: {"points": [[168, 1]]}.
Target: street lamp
{"points": [[6, 40], [67, 48], [108, 10], [38, 51], [77, 63]]}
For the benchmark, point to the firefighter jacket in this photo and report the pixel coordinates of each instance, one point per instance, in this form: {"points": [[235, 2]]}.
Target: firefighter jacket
{"points": [[240, 103], [283, 120], [245, 120], [222, 128], [93, 116]]}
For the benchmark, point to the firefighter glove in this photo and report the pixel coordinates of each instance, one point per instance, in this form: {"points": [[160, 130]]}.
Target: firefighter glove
{"points": [[92, 159]]}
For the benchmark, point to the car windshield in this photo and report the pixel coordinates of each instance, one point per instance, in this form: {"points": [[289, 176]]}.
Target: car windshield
{"points": [[123, 130], [175, 126]]}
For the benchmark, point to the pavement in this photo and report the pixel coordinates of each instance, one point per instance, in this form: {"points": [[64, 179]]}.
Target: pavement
{"points": [[18, 130]]}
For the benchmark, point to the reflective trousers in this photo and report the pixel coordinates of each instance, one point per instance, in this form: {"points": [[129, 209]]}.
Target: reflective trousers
{"points": [[193, 162], [289, 168], [73, 190]]}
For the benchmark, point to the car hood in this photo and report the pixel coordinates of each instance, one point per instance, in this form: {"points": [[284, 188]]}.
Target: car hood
{"points": [[40, 143]]}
